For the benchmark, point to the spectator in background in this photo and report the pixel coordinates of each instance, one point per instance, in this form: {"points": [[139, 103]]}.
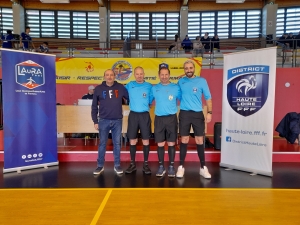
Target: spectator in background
{"points": [[44, 48], [283, 41], [7, 39], [206, 42], [197, 46], [298, 39], [187, 45], [215, 43], [25, 40], [290, 39], [175, 45], [90, 94]]}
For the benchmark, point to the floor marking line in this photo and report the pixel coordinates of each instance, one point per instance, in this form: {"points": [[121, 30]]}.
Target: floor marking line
{"points": [[101, 207]]}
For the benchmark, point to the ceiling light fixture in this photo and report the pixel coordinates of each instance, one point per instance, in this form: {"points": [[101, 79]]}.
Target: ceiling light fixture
{"points": [[230, 1], [142, 1], [55, 1]]}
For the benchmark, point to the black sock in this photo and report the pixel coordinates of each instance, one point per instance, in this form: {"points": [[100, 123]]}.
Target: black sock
{"points": [[201, 155], [132, 153], [146, 149], [171, 151], [161, 155], [182, 154]]}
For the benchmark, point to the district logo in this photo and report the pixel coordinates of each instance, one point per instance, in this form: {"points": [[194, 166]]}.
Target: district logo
{"points": [[247, 88], [30, 74], [122, 70], [89, 67]]}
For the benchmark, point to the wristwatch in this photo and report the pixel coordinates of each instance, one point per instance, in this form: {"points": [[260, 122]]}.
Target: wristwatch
{"points": [[210, 112]]}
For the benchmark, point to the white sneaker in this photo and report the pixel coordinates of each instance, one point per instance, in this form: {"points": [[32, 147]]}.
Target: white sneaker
{"points": [[180, 172], [204, 172]]}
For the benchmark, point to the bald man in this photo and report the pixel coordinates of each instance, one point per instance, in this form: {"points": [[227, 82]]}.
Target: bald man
{"points": [[107, 116]]}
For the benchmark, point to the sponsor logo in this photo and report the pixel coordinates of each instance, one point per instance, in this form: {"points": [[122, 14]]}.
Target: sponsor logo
{"points": [[30, 74], [89, 67], [29, 156], [40, 154], [122, 70], [34, 155], [247, 88], [23, 156], [170, 97]]}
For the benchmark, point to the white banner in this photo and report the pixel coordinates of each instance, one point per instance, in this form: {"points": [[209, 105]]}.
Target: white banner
{"points": [[248, 110]]}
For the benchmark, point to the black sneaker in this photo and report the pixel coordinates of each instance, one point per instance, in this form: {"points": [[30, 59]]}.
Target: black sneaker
{"points": [[171, 171], [146, 169], [118, 169], [131, 168], [98, 170]]}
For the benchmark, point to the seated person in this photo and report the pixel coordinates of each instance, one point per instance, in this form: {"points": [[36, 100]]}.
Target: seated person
{"points": [[90, 94], [283, 41], [187, 45], [197, 46], [290, 40], [206, 42], [44, 47], [215, 43], [7, 39], [175, 45]]}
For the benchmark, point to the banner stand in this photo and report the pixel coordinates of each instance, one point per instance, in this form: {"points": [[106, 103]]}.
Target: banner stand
{"points": [[19, 169], [248, 101], [29, 110], [249, 170]]}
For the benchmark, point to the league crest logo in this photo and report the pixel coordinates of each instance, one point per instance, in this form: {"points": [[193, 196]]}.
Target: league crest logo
{"points": [[122, 70], [144, 95], [30, 74], [195, 90], [247, 88]]}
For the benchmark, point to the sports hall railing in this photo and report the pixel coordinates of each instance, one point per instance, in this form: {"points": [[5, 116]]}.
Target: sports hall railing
{"points": [[63, 48]]}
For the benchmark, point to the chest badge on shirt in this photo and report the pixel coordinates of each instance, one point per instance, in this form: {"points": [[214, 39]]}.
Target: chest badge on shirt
{"points": [[195, 90], [144, 95], [170, 97]]}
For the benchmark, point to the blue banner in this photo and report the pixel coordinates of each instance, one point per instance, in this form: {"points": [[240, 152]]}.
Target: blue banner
{"points": [[29, 110]]}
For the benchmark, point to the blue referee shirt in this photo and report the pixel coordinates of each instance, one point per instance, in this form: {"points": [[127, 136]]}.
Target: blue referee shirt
{"points": [[166, 97], [140, 96], [192, 90]]}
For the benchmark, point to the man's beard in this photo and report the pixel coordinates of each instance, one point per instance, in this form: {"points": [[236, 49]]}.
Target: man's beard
{"points": [[189, 75]]}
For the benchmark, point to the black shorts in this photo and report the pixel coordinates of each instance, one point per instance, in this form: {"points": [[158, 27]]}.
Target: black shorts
{"points": [[194, 119], [139, 121], [165, 128]]}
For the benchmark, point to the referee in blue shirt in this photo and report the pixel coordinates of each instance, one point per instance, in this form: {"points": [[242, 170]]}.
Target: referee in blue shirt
{"points": [[191, 114], [166, 95], [139, 119]]}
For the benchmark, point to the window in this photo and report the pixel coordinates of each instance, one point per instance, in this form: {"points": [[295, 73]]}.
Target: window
{"points": [[6, 20], [144, 26], [63, 24], [287, 21], [227, 24]]}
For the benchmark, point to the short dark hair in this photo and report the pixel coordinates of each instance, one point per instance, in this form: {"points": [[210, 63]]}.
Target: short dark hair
{"points": [[46, 43], [27, 28], [163, 68], [8, 31]]}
